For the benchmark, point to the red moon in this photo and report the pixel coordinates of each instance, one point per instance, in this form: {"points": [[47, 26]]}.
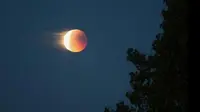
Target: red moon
{"points": [[75, 40]]}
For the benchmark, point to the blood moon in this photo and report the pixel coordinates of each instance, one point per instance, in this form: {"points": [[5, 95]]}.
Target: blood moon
{"points": [[75, 40]]}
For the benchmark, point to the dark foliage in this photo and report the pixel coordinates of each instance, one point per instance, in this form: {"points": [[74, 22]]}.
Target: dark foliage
{"points": [[160, 82]]}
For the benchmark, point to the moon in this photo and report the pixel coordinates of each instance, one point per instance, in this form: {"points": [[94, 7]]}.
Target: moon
{"points": [[75, 40]]}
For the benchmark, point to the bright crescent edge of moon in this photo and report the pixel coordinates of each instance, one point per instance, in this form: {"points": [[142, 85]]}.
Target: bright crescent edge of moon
{"points": [[67, 40]]}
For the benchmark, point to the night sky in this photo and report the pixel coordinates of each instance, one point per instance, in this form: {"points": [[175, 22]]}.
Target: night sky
{"points": [[36, 76]]}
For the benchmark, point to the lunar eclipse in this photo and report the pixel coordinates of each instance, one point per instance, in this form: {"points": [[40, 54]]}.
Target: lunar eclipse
{"points": [[74, 40]]}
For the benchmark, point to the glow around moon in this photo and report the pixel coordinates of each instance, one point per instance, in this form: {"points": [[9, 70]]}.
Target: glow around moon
{"points": [[75, 40]]}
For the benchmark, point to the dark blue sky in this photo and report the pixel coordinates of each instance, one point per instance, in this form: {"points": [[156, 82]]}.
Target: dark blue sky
{"points": [[37, 77]]}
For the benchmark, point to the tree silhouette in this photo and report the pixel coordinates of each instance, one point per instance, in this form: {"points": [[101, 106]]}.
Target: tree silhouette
{"points": [[160, 82]]}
